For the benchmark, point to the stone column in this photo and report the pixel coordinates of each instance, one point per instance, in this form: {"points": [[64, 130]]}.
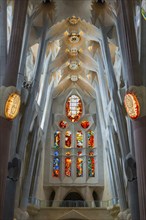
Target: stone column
{"points": [[142, 49], [3, 39], [13, 175], [130, 168], [35, 186], [117, 109], [10, 79], [20, 79], [15, 46], [88, 197], [30, 109], [112, 176], [28, 178], [135, 77], [117, 170], [58, 197]]}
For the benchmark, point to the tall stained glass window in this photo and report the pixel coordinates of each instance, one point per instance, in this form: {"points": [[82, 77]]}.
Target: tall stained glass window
{"points": [[90, 139], [79, 167], [57, 139], [67, 166], [74, 108], [68, 139], [73, 134], [56, 168], [79, 139], [91, 164]]}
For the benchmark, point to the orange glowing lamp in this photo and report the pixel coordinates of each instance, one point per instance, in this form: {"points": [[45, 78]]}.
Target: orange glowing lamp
{"points": [[12, 106], [132, 105]]}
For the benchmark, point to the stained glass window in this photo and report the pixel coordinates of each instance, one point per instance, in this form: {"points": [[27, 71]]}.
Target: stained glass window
{"points": [[79, 139], [90, 139], [79, 153], [56, 168], [79, 167], [56, 153], [68, 139], [63, 124], [85, 124], [74, 108], [91, 167], [68, 166], [91, 153], [68, 153], [57, 139]]}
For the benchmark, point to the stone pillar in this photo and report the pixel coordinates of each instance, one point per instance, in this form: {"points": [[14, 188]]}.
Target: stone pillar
{"points": [[89, 198], [28, 178], [24, 53], [142, 49], [135, 77], [37, 175], [112, 177], [117, 109], [58, 197], [10, 79], [117, 170], [20, 79], [130, 168], [30, 109], [3, 39], [13, 175], [15, 46]]}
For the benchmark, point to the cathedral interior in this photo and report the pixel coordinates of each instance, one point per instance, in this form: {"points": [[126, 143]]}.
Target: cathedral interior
{"points": [[73, 109]]}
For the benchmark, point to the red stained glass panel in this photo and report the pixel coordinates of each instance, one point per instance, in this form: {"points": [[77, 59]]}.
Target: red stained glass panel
{"points": [[91, 139], [63, 124], [85, 124], [68, 139]]}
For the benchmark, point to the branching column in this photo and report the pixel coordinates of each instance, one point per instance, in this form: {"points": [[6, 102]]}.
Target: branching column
{"points": [[10, 79], [29, 111], [28, 177], [135, 77], [117, 109], [117, 170]]}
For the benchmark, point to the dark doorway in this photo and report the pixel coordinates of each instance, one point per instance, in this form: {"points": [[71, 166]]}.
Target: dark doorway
{"points": [[73, 199]]}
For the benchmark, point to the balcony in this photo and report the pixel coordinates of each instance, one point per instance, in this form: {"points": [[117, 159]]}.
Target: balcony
{"points": [[72, 203]]}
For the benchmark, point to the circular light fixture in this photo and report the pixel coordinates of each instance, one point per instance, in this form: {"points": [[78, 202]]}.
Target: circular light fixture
{"points": [[74, 65], [74, 38], [132, 105], [73, 20], [12, 106]]}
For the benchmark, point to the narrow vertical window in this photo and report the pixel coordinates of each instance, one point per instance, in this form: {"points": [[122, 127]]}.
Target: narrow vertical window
{"points": [[79, 167], [79, 139], [68, 139], [67, 166], [56, 168], [91, 164], [57, 139], [90, 139]]}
